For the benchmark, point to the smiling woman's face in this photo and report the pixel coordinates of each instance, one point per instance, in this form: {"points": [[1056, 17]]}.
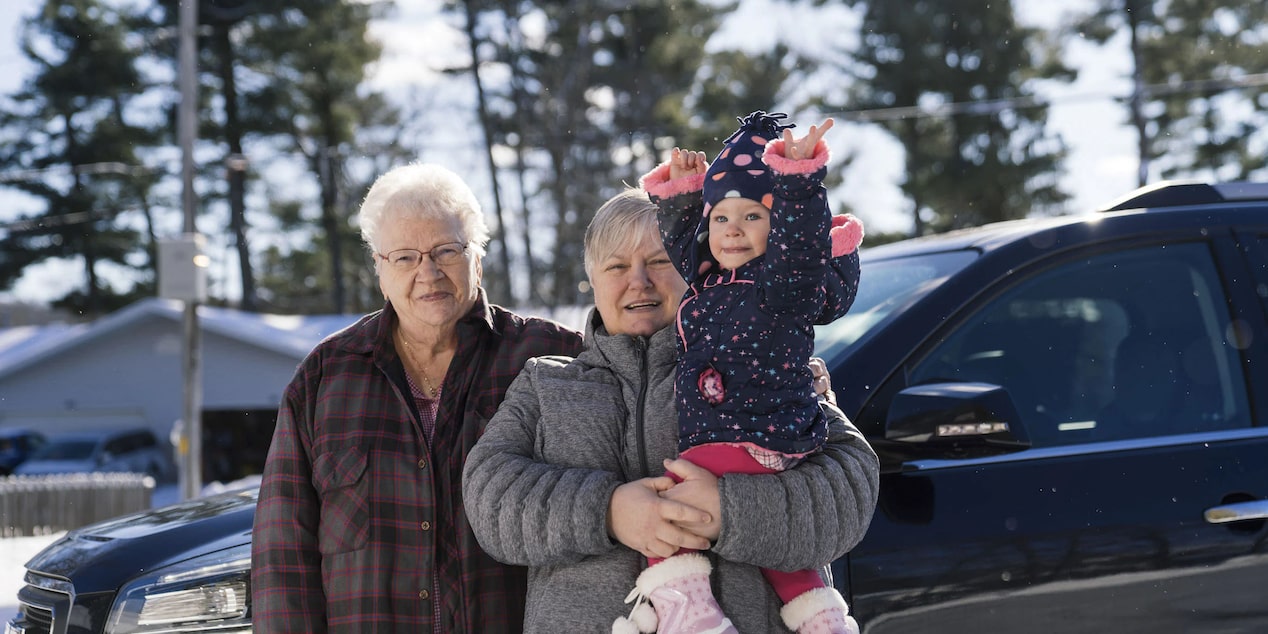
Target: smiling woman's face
{"points": [[637, 289], [429, 296]]}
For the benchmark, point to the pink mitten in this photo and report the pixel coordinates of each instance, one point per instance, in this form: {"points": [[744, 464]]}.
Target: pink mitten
{"points": [[846, 234]]}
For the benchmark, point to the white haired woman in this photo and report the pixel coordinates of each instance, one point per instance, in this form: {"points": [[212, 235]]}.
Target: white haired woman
{"points": [[562, 481], [360, 524]]}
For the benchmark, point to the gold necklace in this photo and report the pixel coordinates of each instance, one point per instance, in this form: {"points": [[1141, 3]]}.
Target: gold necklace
{"points": [[421, 369]]}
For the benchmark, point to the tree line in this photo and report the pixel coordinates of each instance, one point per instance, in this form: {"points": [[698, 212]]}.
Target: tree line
{"points": [[556, 106]]}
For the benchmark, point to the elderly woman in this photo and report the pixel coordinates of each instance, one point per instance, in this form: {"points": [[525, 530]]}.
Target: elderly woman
{"points": [[360, 524], [561, 480]]}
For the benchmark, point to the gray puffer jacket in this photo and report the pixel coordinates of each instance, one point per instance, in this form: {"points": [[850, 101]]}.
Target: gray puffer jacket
{"points": [[536, 487]]}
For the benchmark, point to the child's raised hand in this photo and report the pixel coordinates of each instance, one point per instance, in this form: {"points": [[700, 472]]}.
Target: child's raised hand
{"points": [[686, 163], [804, 148]]}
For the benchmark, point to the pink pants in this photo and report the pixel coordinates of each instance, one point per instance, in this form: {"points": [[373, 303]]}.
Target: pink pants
{"points": [[720, 459]]}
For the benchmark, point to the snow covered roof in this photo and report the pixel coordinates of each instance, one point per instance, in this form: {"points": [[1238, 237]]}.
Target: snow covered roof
{"points": [[293, 335]]}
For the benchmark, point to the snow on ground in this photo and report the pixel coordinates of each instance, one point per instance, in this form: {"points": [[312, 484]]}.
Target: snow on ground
{"points": [[16, 551]]}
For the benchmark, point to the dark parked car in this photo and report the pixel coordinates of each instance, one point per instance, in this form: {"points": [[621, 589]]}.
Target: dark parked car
{"points": [[16, 445], [181, 568], [1071, 418], [116, 450]]}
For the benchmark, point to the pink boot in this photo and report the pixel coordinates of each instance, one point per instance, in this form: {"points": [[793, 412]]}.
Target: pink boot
{"points": [[679, 590], [819, 611]]}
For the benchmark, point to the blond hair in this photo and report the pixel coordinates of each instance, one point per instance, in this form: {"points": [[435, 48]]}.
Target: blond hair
{"points": [[625, 221]]}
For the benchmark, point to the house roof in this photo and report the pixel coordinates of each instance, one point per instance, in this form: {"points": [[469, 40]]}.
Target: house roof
{"points": [[292, 335]]}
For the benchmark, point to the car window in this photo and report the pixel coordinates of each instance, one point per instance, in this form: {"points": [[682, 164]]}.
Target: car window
{"points": [[145, 440], [1262, 286], [1119, 345], [66, 450], [117, 446], [890, 285]]}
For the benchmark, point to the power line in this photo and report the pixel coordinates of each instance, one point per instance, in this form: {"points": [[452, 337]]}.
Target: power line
{"points": [[107, 167], [996, 106], [51, 223]]}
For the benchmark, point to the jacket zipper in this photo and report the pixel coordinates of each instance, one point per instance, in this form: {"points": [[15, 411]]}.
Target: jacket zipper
{"points": [[642, 397]]}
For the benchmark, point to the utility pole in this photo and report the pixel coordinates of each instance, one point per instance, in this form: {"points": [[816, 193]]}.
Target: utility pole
{"points": [[191, 444]]}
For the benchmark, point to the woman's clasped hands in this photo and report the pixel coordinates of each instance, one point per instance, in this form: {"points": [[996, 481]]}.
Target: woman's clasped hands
{"points": [[657, 516]]}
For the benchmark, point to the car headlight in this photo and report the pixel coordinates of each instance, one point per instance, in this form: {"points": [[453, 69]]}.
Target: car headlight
{"points": [[207, 593]]}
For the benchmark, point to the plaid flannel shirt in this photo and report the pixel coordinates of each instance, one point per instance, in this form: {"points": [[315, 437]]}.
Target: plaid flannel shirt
{"points": [[357, 516]]}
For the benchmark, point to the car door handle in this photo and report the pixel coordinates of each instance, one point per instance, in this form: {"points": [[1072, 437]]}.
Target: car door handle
{"points": [[1239, 512]]}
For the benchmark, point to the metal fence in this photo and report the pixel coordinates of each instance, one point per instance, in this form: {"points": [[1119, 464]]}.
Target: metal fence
{"points": [[41, 505]]}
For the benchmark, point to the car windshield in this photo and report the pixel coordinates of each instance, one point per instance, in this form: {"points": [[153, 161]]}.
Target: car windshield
{"points": [[884, 287], [65, 450]]}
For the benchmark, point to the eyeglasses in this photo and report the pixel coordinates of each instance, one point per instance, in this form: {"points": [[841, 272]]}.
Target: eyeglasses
{"points": [[409, 259]]}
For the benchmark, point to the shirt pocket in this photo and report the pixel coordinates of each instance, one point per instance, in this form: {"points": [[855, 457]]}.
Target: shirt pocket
{"points": [[341, 483]]}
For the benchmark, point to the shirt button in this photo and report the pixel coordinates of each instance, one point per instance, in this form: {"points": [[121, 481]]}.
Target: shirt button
{"points": [[422, 463], [423, 594], [425, 526]]}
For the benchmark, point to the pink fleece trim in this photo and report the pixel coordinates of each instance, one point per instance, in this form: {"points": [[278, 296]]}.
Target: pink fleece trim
{"points": [[846, 234], [774, 157], [658, 183]]}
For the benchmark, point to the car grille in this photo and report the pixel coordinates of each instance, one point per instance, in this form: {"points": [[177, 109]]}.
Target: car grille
{"points": [[41, 601], [38, 618]]}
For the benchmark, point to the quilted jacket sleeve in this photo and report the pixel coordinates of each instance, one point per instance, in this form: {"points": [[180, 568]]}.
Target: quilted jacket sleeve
{"points": [[799, 243], [680, 202], [807, 516], [524, 511]]}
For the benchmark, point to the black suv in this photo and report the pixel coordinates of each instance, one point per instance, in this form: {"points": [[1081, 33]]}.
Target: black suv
{"points": [[1071, 418]]}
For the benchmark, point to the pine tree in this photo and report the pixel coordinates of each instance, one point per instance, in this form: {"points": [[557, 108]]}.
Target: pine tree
{"points": [[72, 128], [1193, 113], [588, 98], [287, 79], [983, 158]]}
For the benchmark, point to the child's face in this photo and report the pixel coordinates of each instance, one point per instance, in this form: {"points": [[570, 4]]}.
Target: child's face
{"points": [[738, 228]]}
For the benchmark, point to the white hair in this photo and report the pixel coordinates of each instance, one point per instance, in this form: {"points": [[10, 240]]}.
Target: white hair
{"points": [[423, 190]]}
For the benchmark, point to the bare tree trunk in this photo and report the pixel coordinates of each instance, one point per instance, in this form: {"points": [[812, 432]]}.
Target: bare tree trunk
{"points": [[1132, 9], [235, 164], [530, 266], [519, 97], [912, 137], [92, 299], [326, 173], [485, 125], [151, 247]]}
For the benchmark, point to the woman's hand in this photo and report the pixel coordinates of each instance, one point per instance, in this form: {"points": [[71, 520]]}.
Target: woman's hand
{"points": [[804, 148], [686, 163], [639, 518], [698, 489], [823, 380]]}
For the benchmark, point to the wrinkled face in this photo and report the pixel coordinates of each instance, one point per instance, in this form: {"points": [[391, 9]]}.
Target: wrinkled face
{"points": [[637, 289], [738, 228], [427, 294]]}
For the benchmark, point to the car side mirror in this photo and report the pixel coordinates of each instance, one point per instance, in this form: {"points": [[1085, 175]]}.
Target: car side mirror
{"points": [[104, 457], [953, 420]]}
